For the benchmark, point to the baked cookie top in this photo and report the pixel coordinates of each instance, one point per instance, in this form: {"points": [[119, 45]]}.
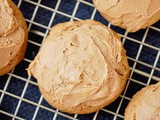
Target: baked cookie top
{"points": [[130, 14], [80, 63], [145, 104], [12, 34]]}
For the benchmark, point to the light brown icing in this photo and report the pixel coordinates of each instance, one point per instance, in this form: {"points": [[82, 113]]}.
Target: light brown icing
{"points": [[11, 34], [81, 62], [145, 105], [130, 14]]}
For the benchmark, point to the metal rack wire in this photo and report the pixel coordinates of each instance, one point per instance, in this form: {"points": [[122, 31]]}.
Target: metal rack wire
{"points": [[20, 98]]}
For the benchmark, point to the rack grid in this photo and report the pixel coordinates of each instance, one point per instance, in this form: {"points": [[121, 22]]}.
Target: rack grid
{"points": [[19, 94]]}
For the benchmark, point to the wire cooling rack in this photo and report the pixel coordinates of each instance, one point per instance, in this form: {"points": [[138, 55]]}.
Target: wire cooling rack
{"points": [[20, 97]]}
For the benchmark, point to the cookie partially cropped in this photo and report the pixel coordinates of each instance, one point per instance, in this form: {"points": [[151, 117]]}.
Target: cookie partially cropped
{"points": [[131, 15], [13, 36], [145, 104], [81, 67]]}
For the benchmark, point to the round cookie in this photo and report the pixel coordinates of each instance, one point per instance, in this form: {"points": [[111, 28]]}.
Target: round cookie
{"points": [[145, 104], [131, 15], [13, 36], [81, 67]]}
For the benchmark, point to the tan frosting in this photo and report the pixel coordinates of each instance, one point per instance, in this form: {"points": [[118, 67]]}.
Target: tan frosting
{"points": [[145, 105], [130, 14], [11, 34], [80, 62]]}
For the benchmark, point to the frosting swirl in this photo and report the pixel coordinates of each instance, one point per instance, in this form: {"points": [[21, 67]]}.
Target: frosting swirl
{"points": [[11, 34], [80, 62], [145, 105], [130, 14]]}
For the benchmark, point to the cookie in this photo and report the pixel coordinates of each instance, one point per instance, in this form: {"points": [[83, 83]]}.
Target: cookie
{"points": [[13, 36], [81, 67], [145, 104], [131, 15]]}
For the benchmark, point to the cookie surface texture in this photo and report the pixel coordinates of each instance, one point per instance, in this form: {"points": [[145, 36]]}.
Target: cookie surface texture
{"points": [[81, 67], [13, 36], [131, 15], [145, 104]]}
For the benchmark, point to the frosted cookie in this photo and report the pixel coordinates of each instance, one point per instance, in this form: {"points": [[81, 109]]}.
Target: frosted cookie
{"points": [[81, 67], [13, 36], [131, 15], [145, 104]]}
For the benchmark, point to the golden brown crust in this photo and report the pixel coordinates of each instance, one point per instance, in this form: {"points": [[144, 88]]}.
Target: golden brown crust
{"points": [[144, 104], [21, 53], [131, 21], [87, 106]]}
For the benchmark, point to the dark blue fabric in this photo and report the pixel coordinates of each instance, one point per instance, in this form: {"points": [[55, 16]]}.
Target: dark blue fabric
{"points": [[156, 73], [49, 3], [59, 19], [28, 12], [104, 116], [153, 38], [86, 117], [16, 86], [59, 117], [84, 11], [5, 117], [34, 37], [137, 35], [8, 104], [113, 106], [26, 110], [123, 106], [32, 93], [20, 69], [99, 18], [67, 6], [130, 91], [140, 77], [148, 55], [131, 48], [3, 80], [44, 115], [143, 68], [32, 51], [43, 16]]}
